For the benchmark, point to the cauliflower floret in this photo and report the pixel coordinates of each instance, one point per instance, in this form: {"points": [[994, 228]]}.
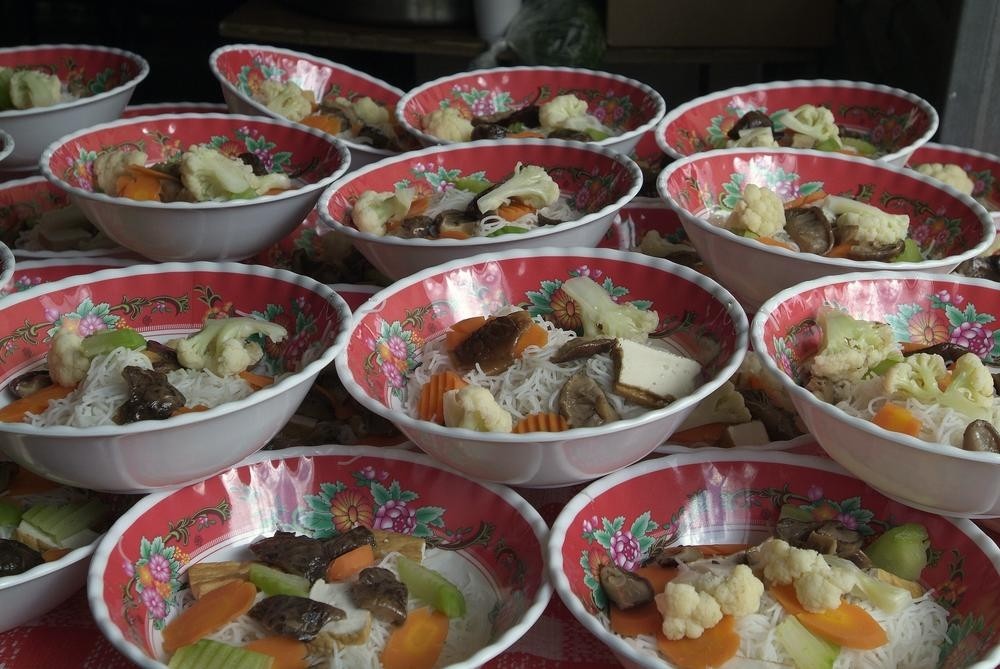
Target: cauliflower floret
{"points": [[222, 346], [759, 211], [369, 111], [530, 184], [559, 110], [113, 164], [969, 391], [67, 362], [815, 122], [287, 99], [863, 223], [686, 611], [823, 589], [211, 175], [474, 408], [848, 351], [31, 88], [448, 124], [738, 593], [603, 317], [783, 563], [656, 245], [374, 210], [754, 137], [950, 174], [725, 405]]}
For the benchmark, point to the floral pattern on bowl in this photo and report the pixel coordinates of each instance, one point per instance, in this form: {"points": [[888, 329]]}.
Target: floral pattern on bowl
{"points": [[724, 498], [982, 168], [83, 72]]}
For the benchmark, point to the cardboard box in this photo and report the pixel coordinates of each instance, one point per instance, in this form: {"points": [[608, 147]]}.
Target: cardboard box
{"points": [[721, 23]]}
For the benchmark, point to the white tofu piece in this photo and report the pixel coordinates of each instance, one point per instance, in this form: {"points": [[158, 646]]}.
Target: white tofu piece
{"points": [[354, 627], [650, 376], [745, 434]]}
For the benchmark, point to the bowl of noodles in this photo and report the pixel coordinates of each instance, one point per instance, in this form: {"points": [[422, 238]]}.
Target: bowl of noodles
{"points": [[248, 341], [694, 524], [975, 173], [424, 208], [466, 360], [485, 541], [848, 350]]}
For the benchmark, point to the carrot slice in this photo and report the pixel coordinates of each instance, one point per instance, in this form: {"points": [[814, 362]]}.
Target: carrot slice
{"points": [[418, 642], [806, 199], [138, 187], [525, 134], [461, 330], [840, 250], [712, 649], [36, 402], [350, 563], [785, 595], [194, 409], [912, 346], [142, 170], [418, 206], [541, 422], [710, 433], [288, 653], [847, 625], [213, 611], [645, 619], [658, 577], [452, 234], [257, 381], [771, 241], [514, 210], [54, 554], [535, 335], [324, 122], [431, 405], [897, 419]]}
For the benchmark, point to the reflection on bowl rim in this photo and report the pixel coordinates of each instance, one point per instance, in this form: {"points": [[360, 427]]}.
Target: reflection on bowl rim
{"points": [[6, 144], [629, 165], [917, 101], [203, 107], [721, 295], [532, 518], [58, 182], [648, 91], [7, 264], [579, 501], [985, 220]]}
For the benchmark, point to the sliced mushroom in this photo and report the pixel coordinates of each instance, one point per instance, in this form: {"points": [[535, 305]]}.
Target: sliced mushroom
{"points": [[418, 227], [295, 554], [163, 357], [526, 116], [150, 396], [780, 424], [571, 135], [473, 212], [752, 119], [548, 220], [376, 137], [578, 348], [489, 131], [379, 591], [453, 219], [17, 558], [671, 556], [987, 267], [492, 345], [298, 617], [880, 252], [981, 435], [254, 161], [946, 349], [348, 541], [810, 228], [829, 537], [29, 383], [996, 383], [625, 589], [583, 404]]}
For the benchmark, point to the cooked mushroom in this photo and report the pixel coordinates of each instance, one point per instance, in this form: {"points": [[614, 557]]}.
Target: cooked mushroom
{"points": [[8, 470], [547, 220], [810, 228], [946, 349], [16, 558], [489, 131], [671, 556], [348, 541], [996, 383], [829, 537], [293, 553], [578, 348], [376, 137], [298, 617], [418, 227], [453, 219], [571, 135], [492, 345], [583, 404], [526, 116], [379, 591], [29, 383], [882, 252], [981, 435], [472, 211], [163, 357], [752, 119], [987, 267], [625, 589], [150, 396], [780, 424], [254, 161]]}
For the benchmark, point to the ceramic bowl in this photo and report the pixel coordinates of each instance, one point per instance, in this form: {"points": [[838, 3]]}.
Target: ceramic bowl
{"points": [[165, 301], [157, 108], [186, 231], [240, 69], [895, 121], [598, 181], [6, 145], [6, 265], [698, 318], [948, 226], [486, 536], [983, 168], [31, 273], [101, 79], [626, 105], [735, 498], [920, 308]]}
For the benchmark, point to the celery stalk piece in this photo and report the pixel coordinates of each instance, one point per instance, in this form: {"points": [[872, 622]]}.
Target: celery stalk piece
{"points": [[431, 587], [807, 650], [275, 582]]}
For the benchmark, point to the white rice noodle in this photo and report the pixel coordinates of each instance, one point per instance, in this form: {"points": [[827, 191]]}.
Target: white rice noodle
{"points": [[559, 210], [452, 198]]}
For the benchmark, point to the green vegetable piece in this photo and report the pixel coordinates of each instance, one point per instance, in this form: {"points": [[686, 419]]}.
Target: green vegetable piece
{"points": [[106, 341], [795, 512], [596, 135], [431, 587], [276, 582], [911, 252], [10, 514], [901, 551], [860, 145], [62, 521], [884, 366], [247, 194], [885, 596], [207, 654], [828, 145], [5, 74], [471, 184], [806, 649], [507, 230]]}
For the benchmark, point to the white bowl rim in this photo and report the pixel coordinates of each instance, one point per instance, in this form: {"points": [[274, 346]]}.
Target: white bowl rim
{"points": [[7, 263], [932, 116], [336, 144], [650, 93], [6, 144], [629, 165], [757, 338], [804, 439], [213, 59], [985, 221], [79, 102], [151, 426], [581, 499], [218, 107], [955, 148], [63, 261], [48, 568], [95, 580], [720, 294]]}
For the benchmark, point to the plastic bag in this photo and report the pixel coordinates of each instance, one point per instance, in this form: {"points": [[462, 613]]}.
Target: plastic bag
{"points": [[553, 32]]}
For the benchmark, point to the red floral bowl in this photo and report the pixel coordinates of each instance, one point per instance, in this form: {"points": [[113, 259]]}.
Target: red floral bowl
{"points": [[385, 346], [948, 226], [735, 498], [598, 181], [983, 169], [157, 108], [895, 121], [36, 272], [165, 301], [230, 230], [101, 81], [241, 68], [483, 536], [623, 104], [920, 308]]}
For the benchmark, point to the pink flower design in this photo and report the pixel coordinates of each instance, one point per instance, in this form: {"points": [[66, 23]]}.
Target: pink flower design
{"points": [[814, 493], [368, 472], [159, 567], [397, 347], [395, 516], [392, 374], [974, 337], [90, 324], [51, 315], [625, 550], [591, 524], [129, 568], [849, 521], [154, 603]]}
